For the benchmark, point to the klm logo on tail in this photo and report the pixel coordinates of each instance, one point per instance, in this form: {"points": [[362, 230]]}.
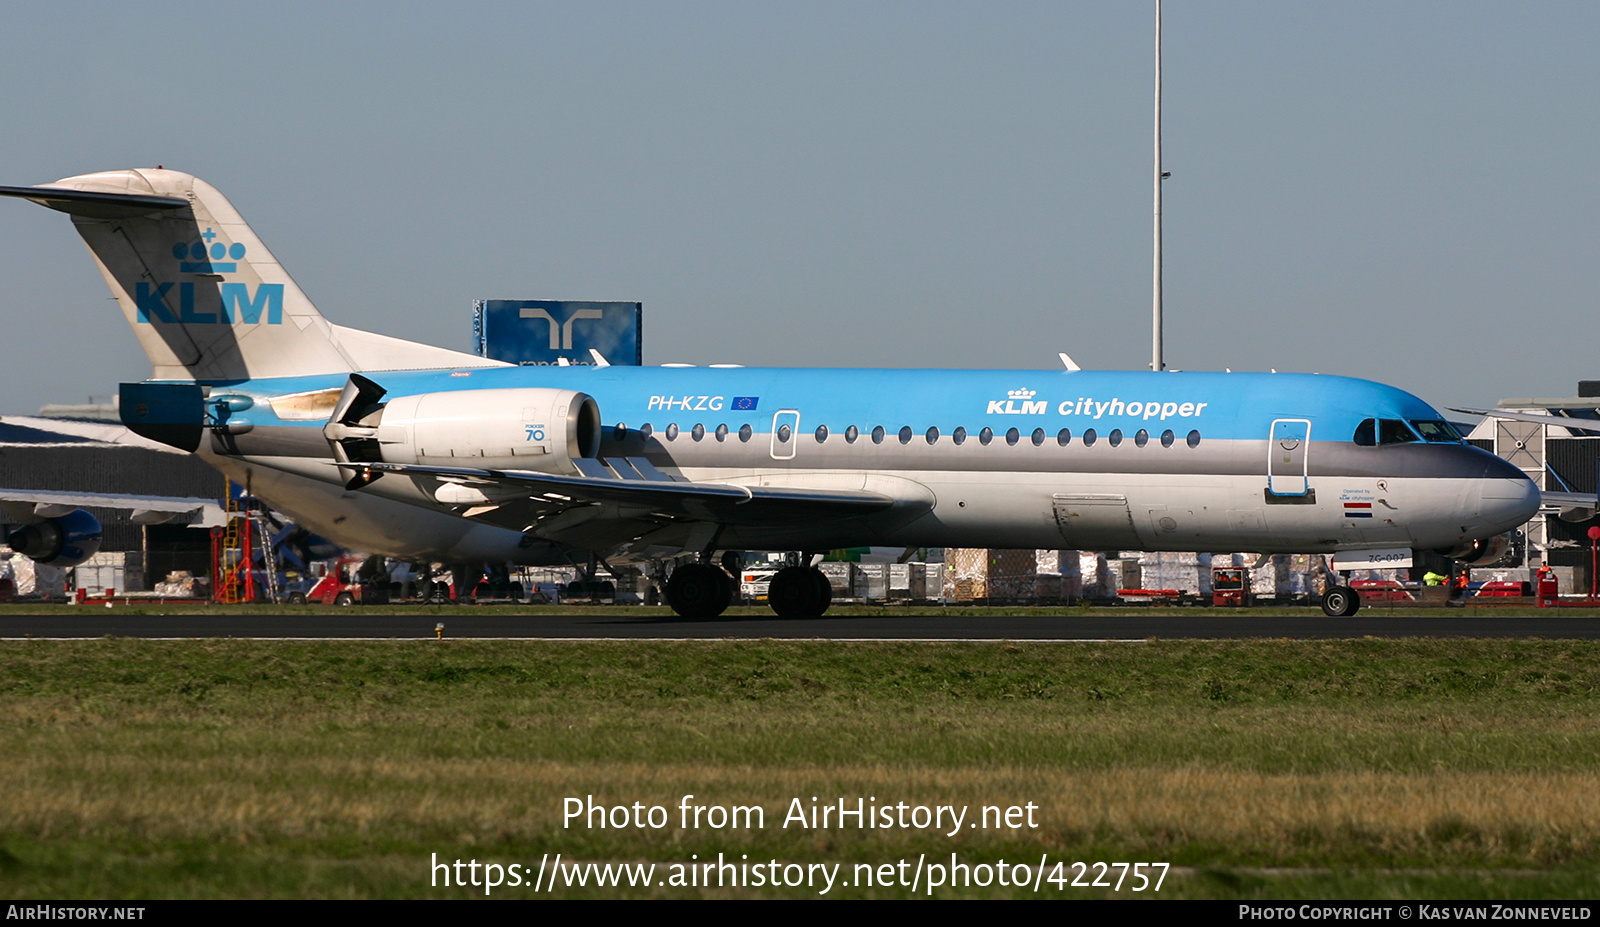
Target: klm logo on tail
{"points": [[238, 304]]}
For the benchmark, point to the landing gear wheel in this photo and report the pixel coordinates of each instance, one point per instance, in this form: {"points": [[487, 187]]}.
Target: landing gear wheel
{"points": [[1340, 602], [799, 592], [699, 590]]}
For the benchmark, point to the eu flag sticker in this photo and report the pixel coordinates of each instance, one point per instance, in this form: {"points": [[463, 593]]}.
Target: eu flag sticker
{"points": [[745, 403]]}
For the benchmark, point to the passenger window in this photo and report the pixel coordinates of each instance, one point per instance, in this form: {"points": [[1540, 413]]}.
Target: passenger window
{"points": [[1367, 433], [619, 432], [645, 431], [1064, 437], [959, 436], [698, 432], [877, 435], [1141, 438], [933, 435], [1089, 437], [722, 432], [1194, 439], [745, 432], [905, 434], [1115, 437], [784, 431], [1167, 437], [985, 436], [822, 433], [851, 434], [1013, 436]]}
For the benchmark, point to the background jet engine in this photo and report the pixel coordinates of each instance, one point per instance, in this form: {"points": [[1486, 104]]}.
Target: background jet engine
{"points": [[65, 541], [1482, 551], [505, 429]]}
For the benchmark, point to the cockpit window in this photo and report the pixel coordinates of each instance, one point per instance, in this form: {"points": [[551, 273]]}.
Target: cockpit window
{"points": [[1394, 431], [1379, 431], [1437, 432]]}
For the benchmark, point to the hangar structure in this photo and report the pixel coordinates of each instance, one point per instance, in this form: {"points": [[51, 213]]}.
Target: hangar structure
{"points": [[1558, 459]]}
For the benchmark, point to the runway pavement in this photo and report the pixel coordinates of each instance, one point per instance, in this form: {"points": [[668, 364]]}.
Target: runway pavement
{"points": [[1184, 624]]}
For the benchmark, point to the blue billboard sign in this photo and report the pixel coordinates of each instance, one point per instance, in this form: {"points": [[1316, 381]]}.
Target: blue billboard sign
{"points": [[543, 331]]}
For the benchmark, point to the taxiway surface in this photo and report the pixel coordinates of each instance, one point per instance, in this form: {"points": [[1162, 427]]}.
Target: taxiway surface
{"points": [[1191, 624]]}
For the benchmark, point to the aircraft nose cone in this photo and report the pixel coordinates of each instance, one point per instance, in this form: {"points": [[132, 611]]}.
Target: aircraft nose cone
{"points": [[1508, 498]]}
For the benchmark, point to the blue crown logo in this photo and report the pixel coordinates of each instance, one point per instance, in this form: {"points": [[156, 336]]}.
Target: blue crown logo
{"points": [[208, 257]]}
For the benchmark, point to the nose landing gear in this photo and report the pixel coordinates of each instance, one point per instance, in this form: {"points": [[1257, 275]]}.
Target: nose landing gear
{"points": [[1340, 602]]}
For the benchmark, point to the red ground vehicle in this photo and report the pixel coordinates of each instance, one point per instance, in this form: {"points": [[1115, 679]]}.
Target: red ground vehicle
{"points": [[1505, 589], [1381, 590], [342, 585], [1230, 586]]}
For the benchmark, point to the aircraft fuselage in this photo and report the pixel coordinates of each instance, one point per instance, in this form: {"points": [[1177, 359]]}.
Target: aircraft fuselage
{"points": [[1012, 459]]}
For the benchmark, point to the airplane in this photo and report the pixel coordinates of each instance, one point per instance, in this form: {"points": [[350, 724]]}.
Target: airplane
{"points": [[420, 452]]}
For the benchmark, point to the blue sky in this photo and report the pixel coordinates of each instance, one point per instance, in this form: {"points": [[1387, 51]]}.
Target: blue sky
{"points": [[1392, 191]]}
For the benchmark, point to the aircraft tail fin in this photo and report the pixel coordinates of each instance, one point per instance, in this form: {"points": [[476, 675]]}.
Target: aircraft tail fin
{"points": [[205, 297]]}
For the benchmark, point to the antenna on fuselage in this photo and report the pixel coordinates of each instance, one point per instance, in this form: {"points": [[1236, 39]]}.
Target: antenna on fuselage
{"points": [[1157, 362]]}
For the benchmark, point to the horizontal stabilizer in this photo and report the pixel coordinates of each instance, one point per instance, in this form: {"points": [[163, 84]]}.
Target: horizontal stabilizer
{"points": [[96, 205]]}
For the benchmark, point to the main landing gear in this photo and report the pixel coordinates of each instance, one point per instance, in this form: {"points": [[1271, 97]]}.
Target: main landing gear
{"points": [[799, 592], [699, 590]]}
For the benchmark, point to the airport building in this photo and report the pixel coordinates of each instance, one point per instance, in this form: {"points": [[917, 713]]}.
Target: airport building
{"points": [[1558, 459]]}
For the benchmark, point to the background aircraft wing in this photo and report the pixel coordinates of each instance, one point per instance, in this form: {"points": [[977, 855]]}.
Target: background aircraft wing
{"points": [[1563, 421], [26, 505], [1569, 506]]}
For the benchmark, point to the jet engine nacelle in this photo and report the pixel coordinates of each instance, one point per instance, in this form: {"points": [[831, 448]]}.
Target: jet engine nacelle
{"points": [[503, 429], [1481, 551], [59, 542]]}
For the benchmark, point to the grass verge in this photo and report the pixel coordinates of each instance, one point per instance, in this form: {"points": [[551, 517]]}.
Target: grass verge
{"points": [[1371, 768]]}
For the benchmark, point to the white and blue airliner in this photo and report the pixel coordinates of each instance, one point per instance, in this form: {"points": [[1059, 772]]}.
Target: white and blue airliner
{"points": [[420, 452]]}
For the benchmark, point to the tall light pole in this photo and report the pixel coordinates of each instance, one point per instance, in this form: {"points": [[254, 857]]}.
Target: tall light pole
{"points": [[1157, 362]]}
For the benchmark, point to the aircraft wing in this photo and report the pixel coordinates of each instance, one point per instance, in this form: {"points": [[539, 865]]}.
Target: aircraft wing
{"points": [[620, 500], [635, 483], [28, 504]]}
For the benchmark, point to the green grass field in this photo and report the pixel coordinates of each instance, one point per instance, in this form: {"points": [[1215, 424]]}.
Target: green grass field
{"points": [[1263, 769]]}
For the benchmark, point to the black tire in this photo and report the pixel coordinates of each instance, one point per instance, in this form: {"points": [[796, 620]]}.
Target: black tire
{"points": [[698, 591], [824, 592], [799, 592], [1340, 602], [344, 599]]}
